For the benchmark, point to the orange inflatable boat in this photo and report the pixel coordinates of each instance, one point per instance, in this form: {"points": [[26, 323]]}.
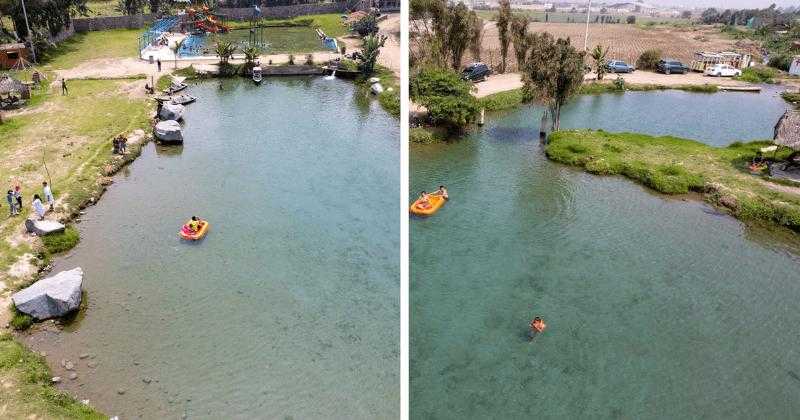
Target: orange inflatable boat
{"points": [[191, 235], [435, 202]]}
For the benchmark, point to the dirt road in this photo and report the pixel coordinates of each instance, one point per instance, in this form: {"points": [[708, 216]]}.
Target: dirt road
{"points": [[626, 42]]}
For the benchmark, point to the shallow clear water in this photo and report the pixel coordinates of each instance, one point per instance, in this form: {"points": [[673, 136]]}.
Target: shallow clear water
{"points": [[657, 307], [290, 306]]}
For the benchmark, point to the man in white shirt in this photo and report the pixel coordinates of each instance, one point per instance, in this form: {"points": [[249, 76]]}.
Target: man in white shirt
{"points": [[48, 195]]}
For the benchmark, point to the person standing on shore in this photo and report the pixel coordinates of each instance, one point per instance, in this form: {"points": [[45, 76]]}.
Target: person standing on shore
{"points": [[12, 205], [48, 195], [38, 207], [18, 196], [158, 63], [64, 90]]}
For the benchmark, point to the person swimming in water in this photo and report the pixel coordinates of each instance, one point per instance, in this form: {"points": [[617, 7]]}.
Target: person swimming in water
{"points": [[537, 326], [442, 191]]}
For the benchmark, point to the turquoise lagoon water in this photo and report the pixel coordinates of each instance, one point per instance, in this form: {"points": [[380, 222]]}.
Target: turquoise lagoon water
{"points": [[289, 308], [657, 307]]}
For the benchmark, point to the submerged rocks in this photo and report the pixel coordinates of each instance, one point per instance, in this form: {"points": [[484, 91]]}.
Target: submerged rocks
{"points": [[169, 131], [51, 297], [170, 111], [43, 227]]}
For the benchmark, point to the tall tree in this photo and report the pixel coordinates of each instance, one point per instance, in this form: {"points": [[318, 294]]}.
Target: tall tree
{"points": [[503, 23], [553, 73], [599, 54], [519, 37], [131, 7], [51, 16], [458, 31], [475, 35]]}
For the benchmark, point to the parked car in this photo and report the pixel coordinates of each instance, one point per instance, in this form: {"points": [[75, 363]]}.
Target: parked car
{"points": [[671, 66], [617, 66], [722, 70], [476, 72]]}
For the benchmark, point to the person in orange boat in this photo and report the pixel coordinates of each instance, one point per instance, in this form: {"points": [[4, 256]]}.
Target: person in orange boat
{"points": [[424, 201], [442, 191], [194, 224], [537, 326]]}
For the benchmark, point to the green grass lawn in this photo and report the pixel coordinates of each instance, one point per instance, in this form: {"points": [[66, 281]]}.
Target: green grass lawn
{"points": [[116, 43], [676, 166]]}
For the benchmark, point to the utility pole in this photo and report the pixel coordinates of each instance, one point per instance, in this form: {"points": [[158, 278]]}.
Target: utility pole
{"points": [[586, 38], [30, 36]]}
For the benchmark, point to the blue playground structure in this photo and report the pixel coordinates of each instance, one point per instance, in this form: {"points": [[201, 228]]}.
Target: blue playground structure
{"points": [[156, 29]]}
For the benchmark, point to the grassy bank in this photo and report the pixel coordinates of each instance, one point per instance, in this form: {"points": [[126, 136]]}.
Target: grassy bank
{"points": [[513, 98], [72, 136], [27, 392], [115, 43], [673, 165]]}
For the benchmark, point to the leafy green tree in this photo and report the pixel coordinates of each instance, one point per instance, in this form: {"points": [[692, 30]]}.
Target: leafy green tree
{"points": [[599, 54], [47, 15], [553, 73], [446, 96], [131, 7], [519, 37], [367, 25], [369, 53], [458, 31], [503, 23], [648, 60]]}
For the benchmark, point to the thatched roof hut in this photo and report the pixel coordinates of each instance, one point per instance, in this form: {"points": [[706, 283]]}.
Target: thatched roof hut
{"points": [[787, 131]]}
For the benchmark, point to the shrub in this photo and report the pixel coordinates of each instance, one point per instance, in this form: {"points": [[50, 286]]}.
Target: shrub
{"points": [[446, 96], [619, 83], [19, 320], [310, 59], [291, 59], [780, 61], [648, 60], [368, 25], [390, 101], [630, 19], [758, 75], [57, 243], [348, 65], [438, 82]]}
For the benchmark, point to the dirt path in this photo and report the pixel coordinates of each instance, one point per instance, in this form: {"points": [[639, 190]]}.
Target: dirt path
{"points": [[390, 53], [509, 81]]}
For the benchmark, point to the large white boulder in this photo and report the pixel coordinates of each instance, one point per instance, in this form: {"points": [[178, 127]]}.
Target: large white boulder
{"points": [[169, 131], [43, 227], [170, 111], [51, 297]]}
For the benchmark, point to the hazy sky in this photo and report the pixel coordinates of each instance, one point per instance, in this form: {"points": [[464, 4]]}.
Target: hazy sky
{"points": [[731, 4]]}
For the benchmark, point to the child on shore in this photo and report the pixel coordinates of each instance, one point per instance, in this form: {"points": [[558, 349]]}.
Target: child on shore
{"points": [[18, 196], [12, 205], [38, 207], [48, 195]]}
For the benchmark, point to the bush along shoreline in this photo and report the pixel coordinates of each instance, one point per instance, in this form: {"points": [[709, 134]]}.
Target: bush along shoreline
{"points": [[672, 165]]}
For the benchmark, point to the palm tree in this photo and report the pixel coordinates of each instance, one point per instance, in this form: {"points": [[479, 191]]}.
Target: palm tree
{"points": [[370, 51], [251, 54], [224, 50], [599, 54]]}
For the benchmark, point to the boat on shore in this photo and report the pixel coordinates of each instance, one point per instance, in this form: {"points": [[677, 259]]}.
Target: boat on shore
{"points": [[257, 75]]}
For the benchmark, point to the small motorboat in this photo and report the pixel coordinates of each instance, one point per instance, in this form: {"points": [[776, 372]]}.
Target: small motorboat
{"points": [[190, 235], [175, 88], [435, 202], [257, 76], [183, 99]]}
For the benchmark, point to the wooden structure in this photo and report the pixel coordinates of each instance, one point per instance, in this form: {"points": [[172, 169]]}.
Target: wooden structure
{"points": [[13, 55], [705, 59]]}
